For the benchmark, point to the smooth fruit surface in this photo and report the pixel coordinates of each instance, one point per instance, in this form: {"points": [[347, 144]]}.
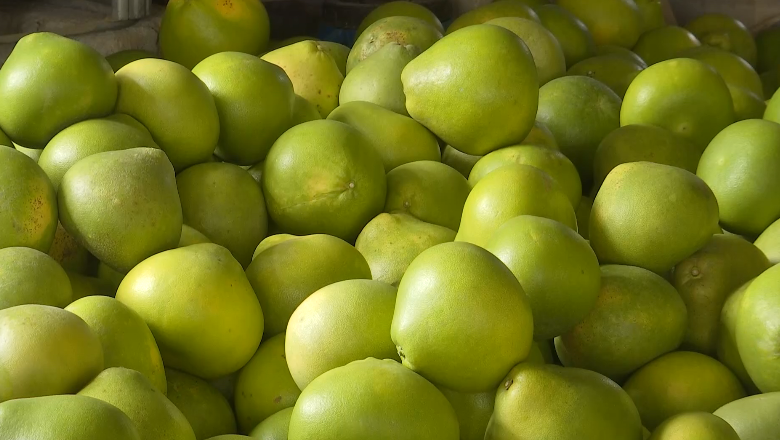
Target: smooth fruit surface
{"points": [[573, 35], [610, 21], [28, 276], [548, 55], [694, 425], [753, 417]]}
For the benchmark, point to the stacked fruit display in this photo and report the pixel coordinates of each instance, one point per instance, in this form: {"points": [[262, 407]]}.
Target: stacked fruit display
{"points": [[550, 222]]}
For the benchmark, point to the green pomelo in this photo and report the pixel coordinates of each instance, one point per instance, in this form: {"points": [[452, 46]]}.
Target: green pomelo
{"points": [[124, 336], [733, 69], [443, 292], [664, 44], [651, 215], [174, 105], [324, 177], [110, 276], [286, 273], [545, 49], [747, 105], [402, 30], [574, 37], [275, 427], [204, 407], [772, 112], [338, 52], [33, 154], [540, 135], [753, 417], [399, 8], [614, 71], [694, 425], [652, 13], [490, 11], [270, 241], [203, 313], [611, 49], [430, 191], [461, 162], [615, 22], [28, 276], [84, 286], [304, 111], [556, 267], [728, 353], [371, 399], [725, 32], [769, 242], [476, 89], [681, 382], [473, 411], [190, 236]]}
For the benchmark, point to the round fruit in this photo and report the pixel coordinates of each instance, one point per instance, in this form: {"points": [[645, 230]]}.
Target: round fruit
{"points": [[738, 166], [340, 323], [652, 13], [637, 317], [399, 8], [323, 177], [773, 108], [203, 313], [725, 32], [611, 49], [445, 290], [615, 71], [664, 44], [556, 267], [574, 37], [610, 21], [459, 161], [682, 95], [46, 350], [548, 401], [193, 30], [429, 191], [699, 425], [490, 11], [769, 242], [473, 411], [580, 112], [372, 399], [69, 253], [544, 47], [754, 417], [254, 100], [264, 386], [50, 82], [542, 136], [275, 427], [747, 105], [190, 236], [207, 411], [28, 276], [286, 273], [651, 215], [510, 191], [733, 69], [403, 30], [174, 105], [681, 382], [28, 207], [728, 353]]}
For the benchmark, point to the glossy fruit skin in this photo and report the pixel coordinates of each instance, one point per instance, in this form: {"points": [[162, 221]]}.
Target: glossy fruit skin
{"points": [[545, 48], [28, 276], [694, 425], [753, 417], [610, 21], [403, 30], [615, 71], [725, 32], [573, 35], [664, 43]]}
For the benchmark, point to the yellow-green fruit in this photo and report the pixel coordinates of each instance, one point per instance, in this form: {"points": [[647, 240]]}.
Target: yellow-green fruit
{"points": [[271, 240], [28, 206], [552, 402], [324, 177], [459, 161], [476, 89], [725, 32], [758, 332], [445, 290], [582, 211], [399, 8], [733, 69], [681, 382], [340, 323], [287, 273], [190, 236], [684, 96], [706, 278], [580, 112], [615, 22], [767, 42], [574, 37], [638, 316], [50, 82], [611, 49], [643, 143], [276, 44], [377, 399], [542, 136], [46, 350], [490, 11], [193, 30], [110, 276], [390, 242], [224, 202], [664, 44], [314, 74], [153, 414], [545, 49], [338, 52], [747, 105], [754, 417], [207, 411], [28, 276], [118, 60], [83, 139], [728, 353], [431, 191], [694, 425], [64, 418], [254, 100], [84, 286], [264, 386], [122, 206], [124, 336], [275, 427], [396, 138], [737, 165], [473, 411], [510, 191], [398, 29], [199, 306], [256, 171], [772, 112], [378, 78], [652, 14], [651, 215], [769, 242], [29, 152], [615, 71], [556, 267], [174, 105], [304, 111], [552, 162]]}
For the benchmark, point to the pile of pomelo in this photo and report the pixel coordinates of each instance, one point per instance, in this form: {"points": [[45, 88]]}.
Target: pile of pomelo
{"points": [[550, 222]]}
